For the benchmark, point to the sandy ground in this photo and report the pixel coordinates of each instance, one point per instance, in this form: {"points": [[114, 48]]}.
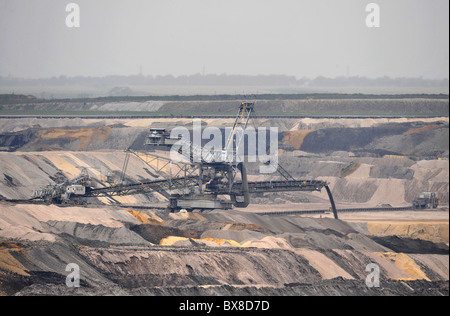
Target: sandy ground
{"points": [[136, 251], [133, 251], [430, 216]]}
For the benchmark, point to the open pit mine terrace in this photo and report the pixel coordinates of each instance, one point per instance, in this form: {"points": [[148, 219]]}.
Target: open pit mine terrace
{"points": [[369, 163]]}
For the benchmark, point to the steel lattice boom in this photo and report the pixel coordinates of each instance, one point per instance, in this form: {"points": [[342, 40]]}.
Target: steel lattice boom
{"points": [[200, 182]]}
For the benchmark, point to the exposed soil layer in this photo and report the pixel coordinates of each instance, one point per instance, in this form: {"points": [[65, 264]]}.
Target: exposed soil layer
{"points": [[389, 139], [368, 163], [154, 233], [408, 245], [315, 104], [219, 252], [335, 287], [422, 138]]}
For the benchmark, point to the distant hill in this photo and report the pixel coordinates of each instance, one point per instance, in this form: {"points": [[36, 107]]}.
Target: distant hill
{"points": [[15, 98]]}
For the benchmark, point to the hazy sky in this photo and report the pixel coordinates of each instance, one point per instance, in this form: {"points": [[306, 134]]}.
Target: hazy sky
{"points": [[303, 38]]}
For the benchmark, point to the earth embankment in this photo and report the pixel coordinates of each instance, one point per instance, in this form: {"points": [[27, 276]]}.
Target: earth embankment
{"points": [[219, 252]]}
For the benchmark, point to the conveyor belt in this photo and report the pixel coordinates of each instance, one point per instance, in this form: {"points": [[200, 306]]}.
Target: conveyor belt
{"points": [[271, 186], [345, 210]]}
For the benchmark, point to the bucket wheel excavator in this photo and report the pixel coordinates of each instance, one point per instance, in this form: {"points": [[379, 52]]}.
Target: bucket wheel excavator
{"points": [[204, 179]]}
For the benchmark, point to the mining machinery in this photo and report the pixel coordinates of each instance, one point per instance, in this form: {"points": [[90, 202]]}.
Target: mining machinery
{"points": [[72, 190], [428, 200], [202, 180]]}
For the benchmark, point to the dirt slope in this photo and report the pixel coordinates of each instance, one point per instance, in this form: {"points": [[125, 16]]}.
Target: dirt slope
{"points": [[126, 251], [259, 253]]}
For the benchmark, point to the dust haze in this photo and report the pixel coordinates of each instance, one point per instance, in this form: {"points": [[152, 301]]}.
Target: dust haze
{"points": [[296, 38]]}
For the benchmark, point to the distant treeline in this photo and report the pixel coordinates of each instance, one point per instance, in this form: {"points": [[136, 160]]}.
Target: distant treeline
{"points": [[226, 80]]}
